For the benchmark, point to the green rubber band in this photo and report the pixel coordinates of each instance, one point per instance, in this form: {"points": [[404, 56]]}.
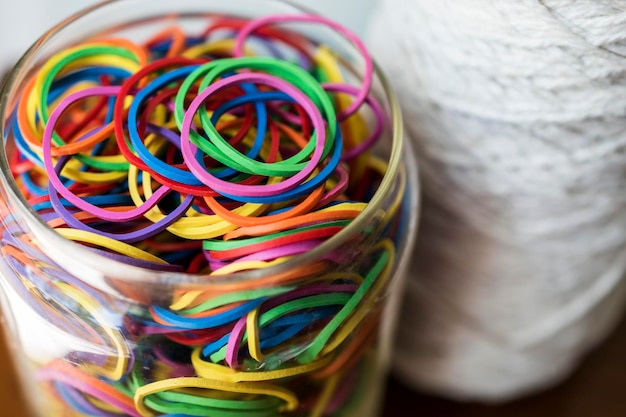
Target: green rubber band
{"points": [[236, 297], [320, 75], [126, 390], [98, 51], [221, 150], [103, 164], [286, 400], [172, 402], [319, 342], [266, 403], [177, 408], [219, 245], [301, 79], [321, 300]]}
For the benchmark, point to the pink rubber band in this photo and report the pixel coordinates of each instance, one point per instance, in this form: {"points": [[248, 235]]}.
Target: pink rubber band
{"points": [[234, 340], [188, 149], [46, 145], [57, 375], [368, 74]]}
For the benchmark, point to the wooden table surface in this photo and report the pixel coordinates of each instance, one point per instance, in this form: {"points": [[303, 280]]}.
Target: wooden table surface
{"points": [[597, 389]]}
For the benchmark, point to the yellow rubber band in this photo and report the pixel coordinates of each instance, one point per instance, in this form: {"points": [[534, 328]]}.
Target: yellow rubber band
{"points": [[190, 299], [355, 127], [290, 399], [380, 166], [222, 46], [112, 244], [365, 307], [325, 396], [224, 373], [195, 225], [106, 60], [254, 339], [248, 265], [118, 370]]}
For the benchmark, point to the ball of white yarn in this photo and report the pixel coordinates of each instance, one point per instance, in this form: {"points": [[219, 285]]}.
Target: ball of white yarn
{"points": [[518, 111]]}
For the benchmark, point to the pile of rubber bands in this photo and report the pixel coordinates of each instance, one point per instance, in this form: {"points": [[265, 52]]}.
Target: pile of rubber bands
{"points": [[231, 150], [185, 154]]}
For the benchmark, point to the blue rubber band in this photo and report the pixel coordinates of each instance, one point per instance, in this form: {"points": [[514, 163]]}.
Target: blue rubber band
{"points": [[96, 200], [198, 323], [294, 324], [303, 189], [182, 176], [215, 346]]}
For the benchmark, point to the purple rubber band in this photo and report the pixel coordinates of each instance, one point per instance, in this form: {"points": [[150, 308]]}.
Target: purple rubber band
{"points": [[189, 149], [368, 75], [64, 320], [84, 404], [89, 357], [141, 263], [306, 291], [268, 254], [58, 185], [234, 341], [128, 237], [165, 133], [381, 120], [178, 369], [236, 336], [56, 375], [342, 394], [15, 278], [337, 190], [287, 116], [54, 272], [152, 330], [274, 253]]}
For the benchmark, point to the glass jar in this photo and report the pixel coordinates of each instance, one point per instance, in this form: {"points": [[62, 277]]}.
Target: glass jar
{"points": [[308, 336]]}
